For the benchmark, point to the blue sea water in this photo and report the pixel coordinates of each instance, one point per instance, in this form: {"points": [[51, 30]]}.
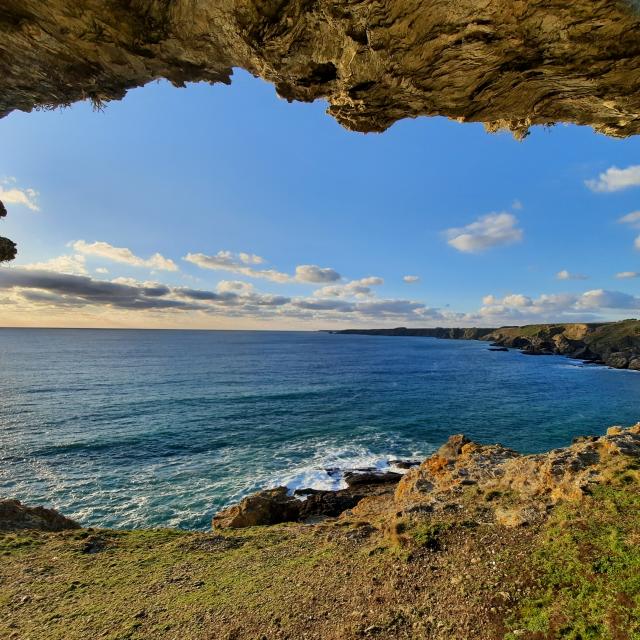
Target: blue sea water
{"points": [[162, 428]]}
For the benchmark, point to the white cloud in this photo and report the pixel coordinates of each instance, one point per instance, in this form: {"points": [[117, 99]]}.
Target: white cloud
{"points": [[234, 285], [522, 309], [566, 275], [250, 258], [614, 179], [124, 255], [102, 270], [625, 275], [354, 289], [315, 274], [239, 263], [10, 194], [227, 261], [603, 299], [492, 230], [632, 219], [411, 279], [74, 264], [516, 205]]}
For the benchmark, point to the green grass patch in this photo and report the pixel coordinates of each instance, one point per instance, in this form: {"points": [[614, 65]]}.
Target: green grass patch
{"points": [[588, 570]]}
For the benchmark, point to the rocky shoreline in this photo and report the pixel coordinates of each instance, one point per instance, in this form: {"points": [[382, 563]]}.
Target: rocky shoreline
{"points": [[490, 482], [485, 481], [477, 541], [613, 344]]}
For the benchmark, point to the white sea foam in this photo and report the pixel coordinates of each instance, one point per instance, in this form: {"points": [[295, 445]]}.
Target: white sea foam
{"points": [[325, 470]]}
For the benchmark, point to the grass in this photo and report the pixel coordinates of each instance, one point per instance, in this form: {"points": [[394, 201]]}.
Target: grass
{"points": [[588, 569]]}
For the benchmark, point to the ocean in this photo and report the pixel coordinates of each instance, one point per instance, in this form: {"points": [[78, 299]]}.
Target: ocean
{"points": [[127, 428]]}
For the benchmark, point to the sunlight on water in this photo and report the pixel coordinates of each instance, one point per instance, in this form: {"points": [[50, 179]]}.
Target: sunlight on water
{"points": [[140, 428]]}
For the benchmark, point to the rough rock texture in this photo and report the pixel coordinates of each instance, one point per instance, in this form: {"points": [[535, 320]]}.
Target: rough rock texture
{"points": [[507, 63], [265, 507], [494, 482], [273, 506], [615, 344], [16, 516]]}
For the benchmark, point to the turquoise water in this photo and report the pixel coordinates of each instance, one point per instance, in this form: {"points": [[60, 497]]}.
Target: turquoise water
{"points": [[162, 428]]}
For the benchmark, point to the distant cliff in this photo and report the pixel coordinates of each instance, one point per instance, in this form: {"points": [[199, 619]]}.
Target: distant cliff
{"points": [[614, 344], [437, 332]]}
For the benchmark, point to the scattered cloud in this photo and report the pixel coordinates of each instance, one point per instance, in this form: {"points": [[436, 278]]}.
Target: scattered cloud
{"points": [[520, 309], [567, 275], [492, 230], [626, 275], [354, 289], [614, 179], [516, 205], [102, 270], [315, 274], [632, 219], [240, 263], [63, 264], [124, 255], [11, 194], [230, 299], [235, 263], [411, 279]]}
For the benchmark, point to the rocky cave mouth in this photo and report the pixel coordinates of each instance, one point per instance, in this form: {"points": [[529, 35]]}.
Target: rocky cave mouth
{"points": [[509, 64]]}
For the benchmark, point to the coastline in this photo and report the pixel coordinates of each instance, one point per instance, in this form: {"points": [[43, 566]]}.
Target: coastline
{"points": [[612, 344], [473, 542]]}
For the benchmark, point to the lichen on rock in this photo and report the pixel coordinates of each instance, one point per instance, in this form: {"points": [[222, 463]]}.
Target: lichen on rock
{"points": [[494, 482]]}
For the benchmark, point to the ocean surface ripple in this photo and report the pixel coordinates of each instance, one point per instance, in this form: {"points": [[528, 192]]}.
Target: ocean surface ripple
{"points": [[162, 428]]}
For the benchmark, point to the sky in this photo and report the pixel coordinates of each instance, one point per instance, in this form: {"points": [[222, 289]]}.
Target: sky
{"points": [[225, 207]]}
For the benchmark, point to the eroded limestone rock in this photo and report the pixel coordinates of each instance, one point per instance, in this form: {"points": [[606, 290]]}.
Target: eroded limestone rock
{"points": [[506, 63]]}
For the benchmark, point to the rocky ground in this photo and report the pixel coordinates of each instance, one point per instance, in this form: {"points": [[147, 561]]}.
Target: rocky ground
{"points": [[475, 542]]}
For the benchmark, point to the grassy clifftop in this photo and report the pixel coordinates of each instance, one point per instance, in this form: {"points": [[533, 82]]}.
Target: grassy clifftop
{"points": [[433, 570], [575, 577]]}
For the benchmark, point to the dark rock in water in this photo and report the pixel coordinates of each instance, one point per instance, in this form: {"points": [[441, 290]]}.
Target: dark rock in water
{"points": [[265, 507], [405, 464], [498, 349], [357, 478], [274, 506], [15, 516], [327, 503]]}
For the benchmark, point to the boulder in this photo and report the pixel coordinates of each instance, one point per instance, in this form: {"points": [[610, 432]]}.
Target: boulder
{"points": [[271, 506], [15, 516], [358, 478], [328, 504]]}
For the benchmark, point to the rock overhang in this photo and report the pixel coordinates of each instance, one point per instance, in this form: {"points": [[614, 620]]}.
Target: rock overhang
{"points": [[506, 63]]}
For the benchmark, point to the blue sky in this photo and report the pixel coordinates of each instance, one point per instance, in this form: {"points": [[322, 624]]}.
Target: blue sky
{"points": [[198, 171]]}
